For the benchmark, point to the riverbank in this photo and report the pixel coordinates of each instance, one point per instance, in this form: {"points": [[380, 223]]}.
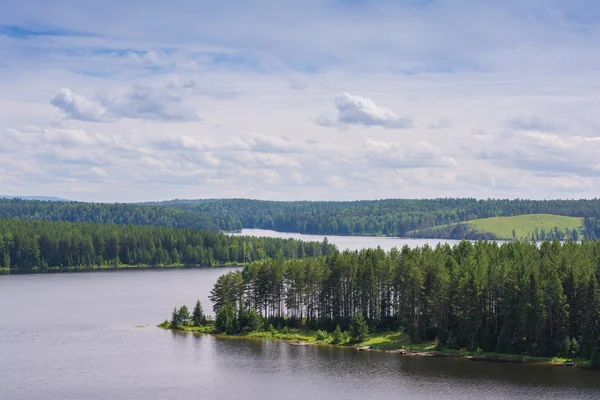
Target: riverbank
{"points": [[388, 342], [51, 270]]}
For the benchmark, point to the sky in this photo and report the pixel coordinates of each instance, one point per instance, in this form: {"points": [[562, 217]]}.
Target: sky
{"points": [[126, 101]]}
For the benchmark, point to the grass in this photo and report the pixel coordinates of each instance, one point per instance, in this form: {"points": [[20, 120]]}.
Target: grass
{"points": [[525, 225], [387, 342]]}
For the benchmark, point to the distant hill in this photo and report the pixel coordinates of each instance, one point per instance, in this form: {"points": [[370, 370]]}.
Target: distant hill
{"points": [[40, 198], [394, 217], [456, 218], [530, 226], [101, 213]]}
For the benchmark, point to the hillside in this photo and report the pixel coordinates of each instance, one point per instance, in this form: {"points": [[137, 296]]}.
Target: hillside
{"points": [[101, 213], [388, 217], [538, 226]]}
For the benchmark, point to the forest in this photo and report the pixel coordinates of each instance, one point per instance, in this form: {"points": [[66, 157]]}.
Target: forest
{"points": [[27, 245], [515, 298], [99, 213], [391, 217]]}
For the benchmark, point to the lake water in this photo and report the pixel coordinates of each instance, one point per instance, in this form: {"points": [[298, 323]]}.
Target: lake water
{"points": [[351, 242], [87, 336]]}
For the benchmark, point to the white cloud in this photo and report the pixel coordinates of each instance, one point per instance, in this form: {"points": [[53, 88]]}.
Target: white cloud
{"points": [[443, 64], [356, 110], [251, 142], [78, 107], [545, 154], [405, 155], [140, 102]]}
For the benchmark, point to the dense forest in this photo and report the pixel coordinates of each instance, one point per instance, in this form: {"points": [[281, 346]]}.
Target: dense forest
{"points": [[514, 298], [392, 217], [40, 245], [99, 213]]}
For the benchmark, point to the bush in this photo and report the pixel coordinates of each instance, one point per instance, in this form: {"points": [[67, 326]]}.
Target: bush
{"points": [[250, 321], [472, 347], [452, 342], [322, 335], [226, 321], [338, 336]]}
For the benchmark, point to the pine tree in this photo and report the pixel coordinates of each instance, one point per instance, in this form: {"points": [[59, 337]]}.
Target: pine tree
{"points": [[184, 315], [338, 336], [198, 317], [175, 319], [359, 330], [226, 320]]}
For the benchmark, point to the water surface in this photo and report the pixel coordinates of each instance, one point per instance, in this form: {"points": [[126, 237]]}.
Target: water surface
{"points": [[77, 336], [351, 242]]}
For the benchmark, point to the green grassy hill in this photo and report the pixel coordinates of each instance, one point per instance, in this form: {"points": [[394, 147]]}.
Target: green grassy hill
{"points": [[502, 227], [525, 225]]}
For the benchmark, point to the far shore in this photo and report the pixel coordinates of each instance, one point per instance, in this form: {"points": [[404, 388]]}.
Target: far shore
{"points": [[385, 342], [51, 270]]}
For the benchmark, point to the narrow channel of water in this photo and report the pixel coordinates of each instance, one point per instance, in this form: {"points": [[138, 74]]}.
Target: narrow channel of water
{"points": [[351, 242]]}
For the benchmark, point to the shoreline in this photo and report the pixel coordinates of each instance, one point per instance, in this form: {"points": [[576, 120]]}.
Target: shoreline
{"points": [[107, 268], [377, 343]]}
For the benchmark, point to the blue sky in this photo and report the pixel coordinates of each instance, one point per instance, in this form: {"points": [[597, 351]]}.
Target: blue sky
{"points": [[340, 99]]}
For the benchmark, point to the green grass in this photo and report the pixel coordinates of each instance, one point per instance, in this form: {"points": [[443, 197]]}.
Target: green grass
{"points": [[389, 341], [384, 341], [525, 225]]}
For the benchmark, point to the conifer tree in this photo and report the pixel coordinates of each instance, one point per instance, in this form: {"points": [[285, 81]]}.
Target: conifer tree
{"points": [[184, 315], [175, 319], [198, 317], [359, 330]]}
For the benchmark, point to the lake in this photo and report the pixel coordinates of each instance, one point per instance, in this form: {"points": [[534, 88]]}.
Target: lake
{"points": [[351, 242], [87, 336]]}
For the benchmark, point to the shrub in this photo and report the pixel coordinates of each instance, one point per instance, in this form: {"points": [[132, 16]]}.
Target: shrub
{"points": [[322, 335], [338, 336]]}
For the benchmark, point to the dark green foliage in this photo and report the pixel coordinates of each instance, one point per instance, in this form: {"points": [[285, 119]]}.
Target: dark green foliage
{"points": [[390, 217], [226, 320], [515, 297], [595, 359], [359, 330], [27, 245], [175, 319], [184, 315], [250, 321], [98, 213], [198, 317], [338, 337]]}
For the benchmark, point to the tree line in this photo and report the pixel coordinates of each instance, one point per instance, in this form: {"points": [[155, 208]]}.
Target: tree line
{"points": [[27, 245], [391, 217], [100, 213], [515, 298]]}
